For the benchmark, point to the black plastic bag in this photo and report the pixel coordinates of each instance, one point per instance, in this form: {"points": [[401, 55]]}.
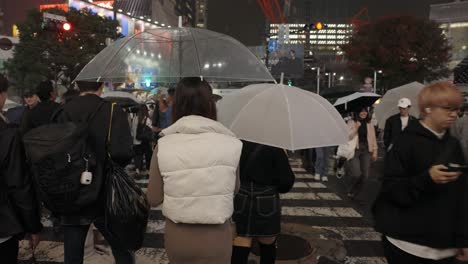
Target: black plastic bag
{"points": [[127, 208]]}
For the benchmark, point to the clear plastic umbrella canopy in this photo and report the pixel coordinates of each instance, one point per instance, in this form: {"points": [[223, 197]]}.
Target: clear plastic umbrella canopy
{"points": [[282, 116], [166, 55]]}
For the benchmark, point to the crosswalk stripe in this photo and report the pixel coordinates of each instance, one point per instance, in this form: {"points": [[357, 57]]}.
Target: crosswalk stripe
{"points": [[304, 176], [298, 170], [354, 233], [309, 203], [366, 260], [296, 185], [52, 252], [320, 211], [310, 196]]}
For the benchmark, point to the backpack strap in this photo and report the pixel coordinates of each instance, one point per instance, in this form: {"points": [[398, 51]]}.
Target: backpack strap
{"points": [[109, 131]]}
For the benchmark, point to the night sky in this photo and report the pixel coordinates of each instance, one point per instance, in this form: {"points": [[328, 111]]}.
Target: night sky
{"points": [[244, 20]]}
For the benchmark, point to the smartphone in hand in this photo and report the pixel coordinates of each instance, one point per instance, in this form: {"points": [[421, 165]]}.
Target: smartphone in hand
{"points": [[451, 167]]}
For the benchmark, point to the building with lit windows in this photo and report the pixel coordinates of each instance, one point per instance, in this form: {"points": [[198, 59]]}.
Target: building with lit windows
{"points": [[186, 9], [453, 19], [201, 13], [133, 15], [322, 44]]}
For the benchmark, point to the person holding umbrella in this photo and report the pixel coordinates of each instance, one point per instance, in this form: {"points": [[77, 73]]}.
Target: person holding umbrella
{"points": [[264, 174], [397, 123], [422, 207], [366, 150]]}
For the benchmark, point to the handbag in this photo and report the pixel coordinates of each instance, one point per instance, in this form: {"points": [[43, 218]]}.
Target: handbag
{"points": [[144, 133], [348, 149], [127, 208]]}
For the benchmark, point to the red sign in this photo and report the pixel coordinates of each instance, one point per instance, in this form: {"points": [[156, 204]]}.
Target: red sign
{"points": [[64, 7], [107, 4]]}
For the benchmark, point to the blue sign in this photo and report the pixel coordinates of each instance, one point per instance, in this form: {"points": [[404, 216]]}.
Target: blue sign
{"points": [[272, 45]]}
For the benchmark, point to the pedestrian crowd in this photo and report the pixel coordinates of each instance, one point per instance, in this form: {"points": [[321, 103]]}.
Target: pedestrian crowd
{"points": [[219, 195]]}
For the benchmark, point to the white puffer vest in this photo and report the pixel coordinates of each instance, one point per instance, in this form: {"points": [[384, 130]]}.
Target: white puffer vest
{"points": [[198, 159]]}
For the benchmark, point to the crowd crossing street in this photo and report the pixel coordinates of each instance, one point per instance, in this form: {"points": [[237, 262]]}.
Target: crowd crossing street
{"points": [[337, 232]]}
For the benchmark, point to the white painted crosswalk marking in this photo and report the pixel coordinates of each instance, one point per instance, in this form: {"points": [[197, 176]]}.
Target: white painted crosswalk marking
{"points": [[365, 260], [53, 252], [310, 201], [304, 176], [320, 211], [298, 170], [310, 196]]}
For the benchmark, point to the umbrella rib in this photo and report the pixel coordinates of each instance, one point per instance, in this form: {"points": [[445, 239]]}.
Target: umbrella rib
{"points": [[196, 52], [289, 115]]}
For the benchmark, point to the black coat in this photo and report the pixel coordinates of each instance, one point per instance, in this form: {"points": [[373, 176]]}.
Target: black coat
{"points": [[393, 128], [264, 173], [40, 115], [19, 210], [411, 206], [269, 167], [80, 109]]}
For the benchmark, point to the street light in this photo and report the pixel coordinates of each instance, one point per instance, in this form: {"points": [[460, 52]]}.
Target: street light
{"points": [[375, 79]]}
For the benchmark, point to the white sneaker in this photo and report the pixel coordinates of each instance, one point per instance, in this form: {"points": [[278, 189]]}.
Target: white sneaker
{"points": [[324, 178], [317, 177]]}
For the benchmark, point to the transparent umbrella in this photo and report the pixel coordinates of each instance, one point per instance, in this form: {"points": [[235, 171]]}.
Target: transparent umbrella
{"points": [[166, 55], [282, 116]]}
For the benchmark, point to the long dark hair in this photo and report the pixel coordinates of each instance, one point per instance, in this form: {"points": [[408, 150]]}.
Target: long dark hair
{"points": [[142, 114], [193, 96]]}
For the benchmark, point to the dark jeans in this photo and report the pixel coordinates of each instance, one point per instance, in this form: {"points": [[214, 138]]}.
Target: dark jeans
{"points": [[9, 251], [74, 240], [358, 168], [395, 255], [143, 151]]}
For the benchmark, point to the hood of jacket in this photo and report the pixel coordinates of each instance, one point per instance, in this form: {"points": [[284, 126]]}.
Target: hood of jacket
{"points": [[416, 128]]}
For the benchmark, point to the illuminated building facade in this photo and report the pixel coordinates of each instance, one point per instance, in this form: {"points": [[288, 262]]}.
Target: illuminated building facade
{"points": [[453, 19]]}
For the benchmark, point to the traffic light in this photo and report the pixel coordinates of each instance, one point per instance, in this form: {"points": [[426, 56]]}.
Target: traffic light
{"points": [[148, 82], [290, 83], [57, 26], [66, 26], [315, 26], [318, 26]]}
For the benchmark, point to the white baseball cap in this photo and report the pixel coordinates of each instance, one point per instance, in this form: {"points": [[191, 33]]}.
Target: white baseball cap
{"points": [[404, 103]]}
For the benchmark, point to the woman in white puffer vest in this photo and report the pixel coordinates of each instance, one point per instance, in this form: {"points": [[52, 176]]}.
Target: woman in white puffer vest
{"points": [[194, 174]]}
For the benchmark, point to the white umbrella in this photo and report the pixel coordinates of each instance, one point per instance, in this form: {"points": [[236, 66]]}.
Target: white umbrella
{"points": [[388, 105], [10, 104], [282, 116], [355, 101]]}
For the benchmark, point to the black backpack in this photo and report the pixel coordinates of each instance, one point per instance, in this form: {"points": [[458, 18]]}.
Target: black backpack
{"points": [[58, 154]]}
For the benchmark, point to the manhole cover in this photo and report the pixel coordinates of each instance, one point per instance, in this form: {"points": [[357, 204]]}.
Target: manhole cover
{"points": [[289, 248]]}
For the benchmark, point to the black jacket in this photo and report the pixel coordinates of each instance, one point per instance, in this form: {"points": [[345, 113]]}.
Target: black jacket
{"points": [[393, 128], [19, 210], [265, 165], [410, 206], [40, 115], [80, 109]]}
